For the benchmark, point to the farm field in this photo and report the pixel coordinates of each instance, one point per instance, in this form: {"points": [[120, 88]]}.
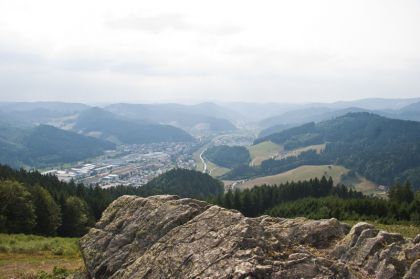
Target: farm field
{"points": [[263, 151], [296, 152], [363, 185], [28, 256], [215, 170], [307, 172], [269, 150]]}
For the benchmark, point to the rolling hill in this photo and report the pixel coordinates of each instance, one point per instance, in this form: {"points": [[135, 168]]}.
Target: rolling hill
{"points": [[184, 183], [410, 112], [381, 149], [106, 125], [402, 109], [301, 116], [38, 112], [45, 145], [277, 128], [204, 116]]}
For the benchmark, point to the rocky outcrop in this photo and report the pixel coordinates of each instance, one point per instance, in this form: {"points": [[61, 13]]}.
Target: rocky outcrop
{"points": [[169, 237]]}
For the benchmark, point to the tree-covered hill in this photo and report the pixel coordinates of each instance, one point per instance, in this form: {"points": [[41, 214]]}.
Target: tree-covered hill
{"points": [[381, 149], [107, 125], [228, 156], [274, 129], [184, 183], [46, 145], [301, 116], [188, 117]]}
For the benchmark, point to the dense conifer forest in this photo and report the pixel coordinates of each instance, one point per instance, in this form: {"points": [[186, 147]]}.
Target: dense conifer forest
{"points": [[318, 199], [41, 204]]}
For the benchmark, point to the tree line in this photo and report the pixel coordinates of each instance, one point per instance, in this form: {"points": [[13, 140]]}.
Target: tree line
{"points": [[41, 204], [318, 199], [257, 200]]}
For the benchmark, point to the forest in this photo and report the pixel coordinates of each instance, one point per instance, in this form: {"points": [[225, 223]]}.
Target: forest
{"points": [[386, 151], [228, 156], [318, 199], [41, 204]]}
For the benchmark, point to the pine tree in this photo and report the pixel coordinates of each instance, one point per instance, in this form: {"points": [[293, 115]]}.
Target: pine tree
{"points": [[48, 213], [237, 199], [228, 200], [76, 217]]}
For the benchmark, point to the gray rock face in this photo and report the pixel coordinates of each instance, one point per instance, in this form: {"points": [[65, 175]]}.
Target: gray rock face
{"points": [[168, 237]]}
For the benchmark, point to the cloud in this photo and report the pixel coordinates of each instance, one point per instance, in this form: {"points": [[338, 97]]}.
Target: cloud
{"points": [[154, 24], [16, 57], [222, 50], [171, 21], [155, 70]]}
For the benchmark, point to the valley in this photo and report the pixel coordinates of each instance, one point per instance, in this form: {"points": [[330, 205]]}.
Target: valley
{"points": [[129, 165], [321, 170], [209, 139], [128, 144]]}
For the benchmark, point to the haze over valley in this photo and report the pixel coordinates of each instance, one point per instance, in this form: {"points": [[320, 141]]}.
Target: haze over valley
{"points": [[209, 139], [129, 144]]}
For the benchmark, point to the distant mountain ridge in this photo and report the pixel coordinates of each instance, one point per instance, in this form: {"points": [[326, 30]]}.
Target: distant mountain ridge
{"points": [[106, 125], [377, 103], [212, 117], [201, 117], [206, 115], [52, 106], [317, 114]]}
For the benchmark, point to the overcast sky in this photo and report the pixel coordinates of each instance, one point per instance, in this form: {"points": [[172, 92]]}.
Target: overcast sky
{"points": [[190, 51]]}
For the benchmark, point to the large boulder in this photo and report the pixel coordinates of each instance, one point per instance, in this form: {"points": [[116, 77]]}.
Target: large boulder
{"points": [[169, 237]]}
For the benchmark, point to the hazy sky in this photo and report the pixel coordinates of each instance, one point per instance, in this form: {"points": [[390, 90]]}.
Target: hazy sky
{"points": [[281, 51]]}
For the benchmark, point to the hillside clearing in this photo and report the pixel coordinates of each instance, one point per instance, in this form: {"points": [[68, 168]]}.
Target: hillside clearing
{"points": [[216, 170], [269, 150], [307, 172], [318, 148], [263, 151]]}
